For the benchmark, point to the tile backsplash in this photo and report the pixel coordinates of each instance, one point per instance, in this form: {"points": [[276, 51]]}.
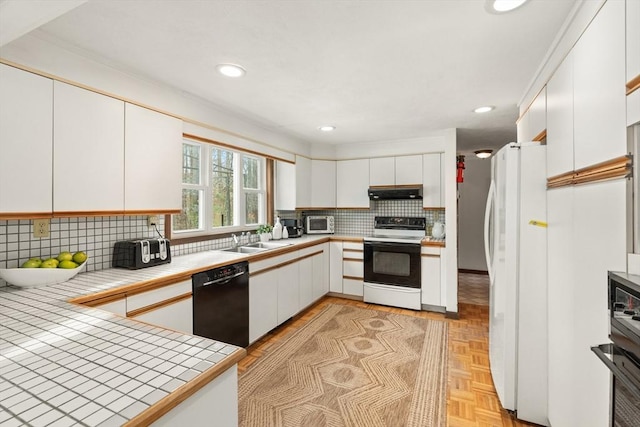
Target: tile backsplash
{"points": [[359, 222], [97, 235]]}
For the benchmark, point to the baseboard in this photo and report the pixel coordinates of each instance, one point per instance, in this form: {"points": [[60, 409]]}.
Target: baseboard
{"points": [[452, 315], [464, 270], [345, 296]]}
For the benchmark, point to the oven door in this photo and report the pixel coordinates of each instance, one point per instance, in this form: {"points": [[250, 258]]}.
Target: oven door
{"points": [[390, 263], [625, 384]]}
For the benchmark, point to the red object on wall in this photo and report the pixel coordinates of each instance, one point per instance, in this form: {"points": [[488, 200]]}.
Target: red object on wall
{"points": [[460, 169]]}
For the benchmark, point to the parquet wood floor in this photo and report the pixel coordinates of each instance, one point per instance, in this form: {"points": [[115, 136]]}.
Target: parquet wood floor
{"points": [[471, 400]]}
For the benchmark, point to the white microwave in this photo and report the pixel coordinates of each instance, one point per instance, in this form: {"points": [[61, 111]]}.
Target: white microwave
{"points": [[320, 224]]}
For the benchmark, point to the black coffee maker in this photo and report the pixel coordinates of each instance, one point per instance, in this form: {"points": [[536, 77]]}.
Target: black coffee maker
{"points": [[294, 227]]}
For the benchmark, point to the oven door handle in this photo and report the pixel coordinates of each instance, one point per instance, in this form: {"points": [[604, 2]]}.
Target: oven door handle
{"points": [[601, 351], [394, 288]]}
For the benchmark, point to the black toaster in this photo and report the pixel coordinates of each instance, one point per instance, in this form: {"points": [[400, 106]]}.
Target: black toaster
{"points": [[141, 253]]}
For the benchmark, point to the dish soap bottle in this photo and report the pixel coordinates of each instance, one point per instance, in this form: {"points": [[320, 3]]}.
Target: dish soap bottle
{"points": [[285, 233], [277, 229]]}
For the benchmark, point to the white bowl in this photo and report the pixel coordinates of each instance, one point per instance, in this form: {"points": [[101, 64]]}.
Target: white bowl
{"points": [[31, 277]]}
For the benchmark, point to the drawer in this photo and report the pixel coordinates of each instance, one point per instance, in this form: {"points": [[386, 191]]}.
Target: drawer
{"points": [[147, 298], [352, 269], [352, 287]]}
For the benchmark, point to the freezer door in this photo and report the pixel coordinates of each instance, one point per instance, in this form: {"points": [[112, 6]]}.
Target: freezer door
{"points": [[504, 284]]}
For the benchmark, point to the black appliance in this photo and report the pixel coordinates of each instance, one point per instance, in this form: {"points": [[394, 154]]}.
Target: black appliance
{"points": [[394, 264], [141, 253], [221, 304], [622, 357], [294, 227], [395, 192]]}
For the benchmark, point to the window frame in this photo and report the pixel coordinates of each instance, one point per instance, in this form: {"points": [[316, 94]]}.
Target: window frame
{"points": [[207, 231]]}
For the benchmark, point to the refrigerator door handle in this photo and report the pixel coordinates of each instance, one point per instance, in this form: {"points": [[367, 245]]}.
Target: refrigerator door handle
{"points": [[487, 220]]}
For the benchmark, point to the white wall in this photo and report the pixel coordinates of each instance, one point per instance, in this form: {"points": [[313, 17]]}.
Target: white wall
{"points": [[471, 205]]}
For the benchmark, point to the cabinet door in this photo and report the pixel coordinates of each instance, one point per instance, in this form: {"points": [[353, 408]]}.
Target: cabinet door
{"points": [[263, 304], [323, 183], [285, 197], [88, 154], [335, 267], [408, 170], [599, 80], [538, 115], [303, 182], [26, 141], [560, 119], [321, 273], [288, 292], [382, 171], [352, 183], [153, 161], [177, 316], [305, 269], [522, 127], [118, 307], [431, 277], [633, 39], [432, 181]]}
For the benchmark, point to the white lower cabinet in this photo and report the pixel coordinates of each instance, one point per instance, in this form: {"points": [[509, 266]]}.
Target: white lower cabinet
{"points": [[118, 306], [282, 286], [219, 397], [335, 267], [263, 303], [177, 316], [288, 292], [352, 269], [431, 273], [321, 273], [305, 271], [169, 306]]}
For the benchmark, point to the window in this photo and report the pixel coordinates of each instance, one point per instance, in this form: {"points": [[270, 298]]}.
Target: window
{"points": [[222, 191]]}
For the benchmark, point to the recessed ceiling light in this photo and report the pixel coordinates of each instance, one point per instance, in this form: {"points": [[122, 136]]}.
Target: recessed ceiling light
{"points": [[502, 6], [483, 109], [231, 70], [327, 128], [483, 154]]}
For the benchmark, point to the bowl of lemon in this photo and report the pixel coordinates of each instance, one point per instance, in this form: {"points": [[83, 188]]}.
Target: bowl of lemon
{"points": [[42, 272]]}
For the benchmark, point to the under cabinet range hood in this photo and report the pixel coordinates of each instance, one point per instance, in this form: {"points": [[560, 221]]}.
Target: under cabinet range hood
{"points": [[395, 192]]}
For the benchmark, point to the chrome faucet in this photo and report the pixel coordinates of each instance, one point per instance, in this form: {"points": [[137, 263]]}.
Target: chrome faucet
{"points": [[235, 240]]}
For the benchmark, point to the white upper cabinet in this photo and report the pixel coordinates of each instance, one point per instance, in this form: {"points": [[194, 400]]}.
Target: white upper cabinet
{"points": [[286, 188], [153, 161], [408, 170], [323, 184], [534, 121], [633, 39], [303, 182], [560, 119], [382, 171], [538, 115], [633, 60], [88, 155], [26, 118], [432, 194], [352, 181], [402, 170], [599, 81]]}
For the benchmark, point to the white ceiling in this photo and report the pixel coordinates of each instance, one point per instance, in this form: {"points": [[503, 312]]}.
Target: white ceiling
{"points": [[377, 70]]}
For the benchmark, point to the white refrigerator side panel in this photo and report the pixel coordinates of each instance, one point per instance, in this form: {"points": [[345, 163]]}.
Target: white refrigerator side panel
{"points": [[531, 395], [503, 290]]}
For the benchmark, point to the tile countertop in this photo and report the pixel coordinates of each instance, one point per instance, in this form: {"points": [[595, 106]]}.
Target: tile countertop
{"points": [[63, 364]]}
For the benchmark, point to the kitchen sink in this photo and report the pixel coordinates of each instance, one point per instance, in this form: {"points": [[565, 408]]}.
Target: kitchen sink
{"points": [[267, 245], [244, 250], [256, 247]]}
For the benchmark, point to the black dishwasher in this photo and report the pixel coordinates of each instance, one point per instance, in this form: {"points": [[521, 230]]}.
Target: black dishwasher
{"points": [[221, 304]]}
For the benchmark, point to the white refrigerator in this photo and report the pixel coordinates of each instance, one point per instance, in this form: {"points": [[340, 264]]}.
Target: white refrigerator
{"points": [[515, 246]]}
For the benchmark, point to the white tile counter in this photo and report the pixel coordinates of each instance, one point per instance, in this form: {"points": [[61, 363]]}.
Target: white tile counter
{"points": [[63, 364]]}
